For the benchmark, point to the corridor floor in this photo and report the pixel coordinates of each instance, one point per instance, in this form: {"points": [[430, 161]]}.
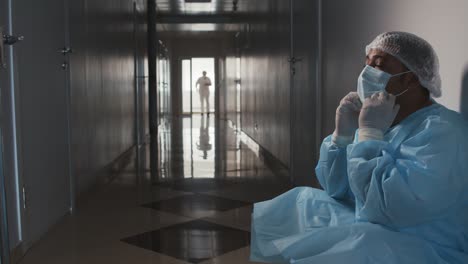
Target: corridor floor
{"points": [[197, 211]]}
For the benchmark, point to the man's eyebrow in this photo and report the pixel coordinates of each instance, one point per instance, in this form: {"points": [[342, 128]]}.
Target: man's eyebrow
{"points": [[376, 57]]}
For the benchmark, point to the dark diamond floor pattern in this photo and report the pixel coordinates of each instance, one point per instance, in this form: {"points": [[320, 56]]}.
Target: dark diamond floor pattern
{"points": [[196, 205], [193, 241]]}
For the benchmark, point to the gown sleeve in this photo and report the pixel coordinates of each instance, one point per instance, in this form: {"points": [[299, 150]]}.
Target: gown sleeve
{"points": [[416, 182], [331, 170]]}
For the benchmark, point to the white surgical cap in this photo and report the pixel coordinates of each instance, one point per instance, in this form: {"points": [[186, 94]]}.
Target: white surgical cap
{"points": [[415, 53]]}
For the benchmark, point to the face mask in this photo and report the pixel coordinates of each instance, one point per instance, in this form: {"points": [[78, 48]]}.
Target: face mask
{"points": [[373, 81]]}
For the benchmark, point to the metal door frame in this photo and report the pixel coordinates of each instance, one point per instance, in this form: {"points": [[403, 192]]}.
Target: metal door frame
{"points": [[5, 240], [137, 91], [71, 168], [180, 63], [9, 124], [183, 114], [292, 109]]}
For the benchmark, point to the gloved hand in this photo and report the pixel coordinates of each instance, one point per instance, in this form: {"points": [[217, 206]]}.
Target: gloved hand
{"points": [[346, 119], [377, 115]]}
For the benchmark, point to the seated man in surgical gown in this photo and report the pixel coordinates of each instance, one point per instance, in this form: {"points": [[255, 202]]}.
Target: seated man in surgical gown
{"points": [[394, 173]]}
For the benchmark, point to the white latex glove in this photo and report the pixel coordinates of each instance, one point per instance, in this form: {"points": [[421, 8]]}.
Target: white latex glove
{"points": [[377, 115], [346, 119]]}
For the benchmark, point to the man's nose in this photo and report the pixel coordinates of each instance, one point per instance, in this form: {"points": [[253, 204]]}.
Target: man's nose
{"points": [[371, 63]]}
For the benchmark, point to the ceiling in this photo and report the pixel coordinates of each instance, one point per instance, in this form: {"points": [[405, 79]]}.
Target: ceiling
{"points": [[217, 15], [213, 7], [196, 27]]}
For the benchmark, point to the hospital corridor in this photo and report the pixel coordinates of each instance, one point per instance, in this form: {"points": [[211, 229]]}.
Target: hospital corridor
{"points": [[233, 131]]}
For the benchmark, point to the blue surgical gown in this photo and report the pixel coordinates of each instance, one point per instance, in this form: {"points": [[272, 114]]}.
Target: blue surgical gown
{"points": [[400, 200]]}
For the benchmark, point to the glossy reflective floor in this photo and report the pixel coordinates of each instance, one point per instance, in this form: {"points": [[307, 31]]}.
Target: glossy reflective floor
{"points": [[196, 211]]}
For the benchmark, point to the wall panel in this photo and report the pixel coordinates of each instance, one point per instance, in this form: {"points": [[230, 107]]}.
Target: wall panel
{"points": [[265, 78], [102, 77]]}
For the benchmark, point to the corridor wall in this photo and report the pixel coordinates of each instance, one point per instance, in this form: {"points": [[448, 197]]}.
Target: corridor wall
{"points": [[265, 77], [265, 49], [102, 83]]}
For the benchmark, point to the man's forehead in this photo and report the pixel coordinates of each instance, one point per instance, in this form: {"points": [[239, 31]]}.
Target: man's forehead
{"points": [[375, 54]]}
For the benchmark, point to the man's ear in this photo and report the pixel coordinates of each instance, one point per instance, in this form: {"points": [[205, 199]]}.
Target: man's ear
{"points": [[413, 80]]}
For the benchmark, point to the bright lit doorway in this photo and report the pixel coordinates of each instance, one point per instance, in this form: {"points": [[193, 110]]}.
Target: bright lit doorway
{"points": [[192, 70]]}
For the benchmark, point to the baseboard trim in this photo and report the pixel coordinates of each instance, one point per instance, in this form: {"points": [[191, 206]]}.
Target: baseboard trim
{"points": [[106, 174], [109, 172], [17, 253], [270, 160]]}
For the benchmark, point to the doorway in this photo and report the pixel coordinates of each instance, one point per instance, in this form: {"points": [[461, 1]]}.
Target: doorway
{"points": [[192, 70]]}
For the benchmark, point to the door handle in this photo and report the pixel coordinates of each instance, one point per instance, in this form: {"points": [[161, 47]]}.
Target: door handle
{"points": [[7, 40], [294, 60], [10, 40], [64, 65], [65, 50]]}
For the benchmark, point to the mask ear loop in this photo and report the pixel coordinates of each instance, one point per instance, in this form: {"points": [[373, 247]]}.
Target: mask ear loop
{"points": [[398, 74], [401, 73], [402, 93]]}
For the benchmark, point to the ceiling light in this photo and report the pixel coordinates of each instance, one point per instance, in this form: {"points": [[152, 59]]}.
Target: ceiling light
{"points": [[197, 1]]}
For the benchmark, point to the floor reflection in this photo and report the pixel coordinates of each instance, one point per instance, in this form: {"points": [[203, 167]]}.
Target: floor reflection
{"points": [[199, 157], [200, 147], [204, 145]]}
